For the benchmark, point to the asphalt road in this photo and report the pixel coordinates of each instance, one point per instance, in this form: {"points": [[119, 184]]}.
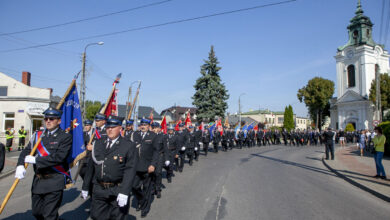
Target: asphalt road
{"points": [[273, 182]]}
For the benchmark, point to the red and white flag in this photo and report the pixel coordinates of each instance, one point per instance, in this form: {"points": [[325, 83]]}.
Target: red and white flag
{"points": [[164, 125]]}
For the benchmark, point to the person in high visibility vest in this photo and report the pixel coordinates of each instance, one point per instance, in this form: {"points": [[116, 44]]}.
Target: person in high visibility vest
{"points": [[9, 136], [22, 138]]}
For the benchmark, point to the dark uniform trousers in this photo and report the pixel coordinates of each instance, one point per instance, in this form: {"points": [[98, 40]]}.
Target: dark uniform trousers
{"points": [[206, 147], [198, 136], [113, 174], [162, 157], [148, 148], [216, 140], [2, 156], [182, 140], [48, 184]]}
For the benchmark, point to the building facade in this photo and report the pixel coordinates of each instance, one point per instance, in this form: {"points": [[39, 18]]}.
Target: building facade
{"points": [[21, 105], [356, 65]]}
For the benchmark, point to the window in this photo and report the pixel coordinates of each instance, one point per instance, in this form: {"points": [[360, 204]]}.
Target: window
{"points": [[280, 120], [9, 119], [351, 76], [3, 90]]}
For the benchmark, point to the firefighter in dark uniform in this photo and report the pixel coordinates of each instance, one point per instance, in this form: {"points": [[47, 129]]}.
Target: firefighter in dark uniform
{"points": [[100, 130], [231, 138], [87, 136], [182, 140], [198, 136], [163, 158], [9, 136], [225, 140], [216, 139], [148, 150], [260, 136], [173, 152], [22, 138], [190, 147], [241, 138], [206, 140], [48, 183], [129, 128], [111, 171]]}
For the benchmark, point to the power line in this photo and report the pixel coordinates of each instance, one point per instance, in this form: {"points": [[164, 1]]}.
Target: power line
{"points": [[152, 26], [87, 19]]}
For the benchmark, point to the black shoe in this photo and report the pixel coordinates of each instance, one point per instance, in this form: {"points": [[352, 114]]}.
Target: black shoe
{"points": [[169, 180], [180, 170], [326, 158], [376, 176], [383, 177], [138, 208], [158, 194], [144, 214]]}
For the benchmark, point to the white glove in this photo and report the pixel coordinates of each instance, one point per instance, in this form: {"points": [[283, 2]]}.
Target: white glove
{"points": [[200, 143], [196, 148], [167, 163], [29, 159], [183, 148], [84, 194], [122, 200], [20, 172]]}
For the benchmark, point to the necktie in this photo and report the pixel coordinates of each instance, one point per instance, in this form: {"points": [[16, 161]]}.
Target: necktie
{"points": [[143, 135], [109, 144]]}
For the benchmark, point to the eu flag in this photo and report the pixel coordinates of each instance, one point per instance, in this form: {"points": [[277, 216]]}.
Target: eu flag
{"points": [[71, 122], [211, 129]]}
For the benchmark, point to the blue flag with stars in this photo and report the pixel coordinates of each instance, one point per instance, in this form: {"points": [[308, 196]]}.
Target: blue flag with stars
{"points": [[71, 122]]}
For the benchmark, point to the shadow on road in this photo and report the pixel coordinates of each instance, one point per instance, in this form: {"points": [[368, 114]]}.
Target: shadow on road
{"points": [[21, 216], [303, 166]]}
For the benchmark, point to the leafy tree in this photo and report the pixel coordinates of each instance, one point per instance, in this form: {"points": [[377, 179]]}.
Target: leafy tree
{"points": [[210, 93], [288, 122], [92, 107], [316, 95], [349, 127], [384, 90]]}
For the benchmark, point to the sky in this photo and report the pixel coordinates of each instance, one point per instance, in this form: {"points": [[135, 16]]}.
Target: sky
{"points": [[266, 53]]}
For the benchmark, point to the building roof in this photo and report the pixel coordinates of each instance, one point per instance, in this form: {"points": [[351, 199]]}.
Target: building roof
{"points": [[143, 112], [234, 119], [257, 112], [178, 111]]}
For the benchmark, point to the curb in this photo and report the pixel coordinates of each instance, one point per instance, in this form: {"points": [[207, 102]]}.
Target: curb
{"points": [[3, 175], [360, 186]]}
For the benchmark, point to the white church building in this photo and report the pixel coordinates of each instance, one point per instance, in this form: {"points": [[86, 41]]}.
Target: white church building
{"points": [[356, 63]]}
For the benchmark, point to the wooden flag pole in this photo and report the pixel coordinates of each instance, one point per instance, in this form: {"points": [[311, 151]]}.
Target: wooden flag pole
{"points": [[8, 196], [133, 104]]}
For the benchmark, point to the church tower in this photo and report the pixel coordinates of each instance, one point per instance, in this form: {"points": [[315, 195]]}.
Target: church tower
{"points": [[356, 63]]}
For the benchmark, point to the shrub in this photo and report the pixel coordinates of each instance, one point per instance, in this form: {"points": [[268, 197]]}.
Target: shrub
{"points": [[386, 131], [349, 127]]}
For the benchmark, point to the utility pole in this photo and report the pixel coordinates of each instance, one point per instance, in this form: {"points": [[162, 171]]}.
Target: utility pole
{"points": [[378, 113], [239, 107], [82, 89]]}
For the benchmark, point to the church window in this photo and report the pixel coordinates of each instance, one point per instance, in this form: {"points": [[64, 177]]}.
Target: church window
{"points": [[351, 76]]}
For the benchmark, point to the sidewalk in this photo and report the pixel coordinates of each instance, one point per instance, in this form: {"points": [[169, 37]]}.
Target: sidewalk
{"points": [[11, 159], [359, 171]]}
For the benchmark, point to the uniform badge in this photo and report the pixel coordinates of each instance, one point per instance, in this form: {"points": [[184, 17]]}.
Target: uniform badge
{"points": [[115, 157], [120, 159]]}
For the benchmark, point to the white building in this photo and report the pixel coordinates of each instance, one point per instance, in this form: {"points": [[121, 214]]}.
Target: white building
{"points": [[356, 63], [21, 104]]}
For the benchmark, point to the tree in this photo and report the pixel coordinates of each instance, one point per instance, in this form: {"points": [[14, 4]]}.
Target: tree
{"points": [[210, 93], [384, 91], [316, 95], [288, 122], [92, 107]]}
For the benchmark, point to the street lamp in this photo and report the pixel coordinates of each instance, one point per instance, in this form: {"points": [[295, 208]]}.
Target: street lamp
{"points": [[82, 89], [239, 107]]}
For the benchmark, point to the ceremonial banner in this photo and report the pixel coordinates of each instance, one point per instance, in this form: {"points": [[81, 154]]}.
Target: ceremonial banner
{"points": [[164, 125], [71, 122]]}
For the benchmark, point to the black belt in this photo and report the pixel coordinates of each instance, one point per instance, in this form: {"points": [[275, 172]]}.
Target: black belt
{"points": [[107, 185], [44, 176]]}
